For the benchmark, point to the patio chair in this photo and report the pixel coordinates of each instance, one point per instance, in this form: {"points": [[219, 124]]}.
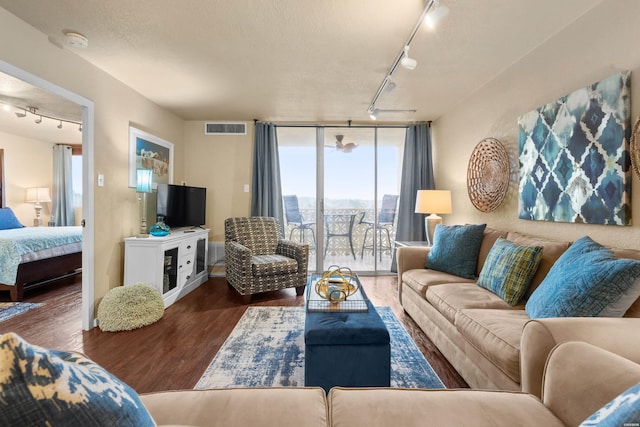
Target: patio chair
{"points": [[295, 218], [386, 219], [257, 260]]}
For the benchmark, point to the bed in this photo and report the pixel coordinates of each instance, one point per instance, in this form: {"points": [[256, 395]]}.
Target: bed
{"points": [[34, 256]]}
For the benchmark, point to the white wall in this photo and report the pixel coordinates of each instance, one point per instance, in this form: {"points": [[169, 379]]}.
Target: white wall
{"points": [[597, 45]]}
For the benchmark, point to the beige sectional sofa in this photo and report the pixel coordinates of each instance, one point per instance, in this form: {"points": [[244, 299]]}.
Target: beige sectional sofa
{"points": [[579, 378], [478, 332]]}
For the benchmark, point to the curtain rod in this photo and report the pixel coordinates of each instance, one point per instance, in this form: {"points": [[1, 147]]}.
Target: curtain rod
{"points": [[348, 125]]}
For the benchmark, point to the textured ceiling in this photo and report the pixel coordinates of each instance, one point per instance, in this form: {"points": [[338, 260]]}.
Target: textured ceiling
{"points": [[299, 60]]}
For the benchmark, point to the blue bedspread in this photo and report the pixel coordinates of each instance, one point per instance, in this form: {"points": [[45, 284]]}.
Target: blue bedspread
{"points": [[19, 241]]}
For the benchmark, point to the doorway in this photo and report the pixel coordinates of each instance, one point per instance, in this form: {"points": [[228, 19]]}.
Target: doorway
{"points": [[51, 92], [339, 177]]}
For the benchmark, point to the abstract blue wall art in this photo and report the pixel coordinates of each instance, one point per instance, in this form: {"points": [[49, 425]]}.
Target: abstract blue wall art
{"points": [[574, 156]]}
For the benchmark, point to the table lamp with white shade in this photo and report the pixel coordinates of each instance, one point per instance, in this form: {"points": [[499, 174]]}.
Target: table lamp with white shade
{"points": [[144, 183], [37, 196], [433, 202]]}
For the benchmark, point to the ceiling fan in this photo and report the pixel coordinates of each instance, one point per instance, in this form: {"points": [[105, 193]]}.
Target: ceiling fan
{"points": [[345, 148]]}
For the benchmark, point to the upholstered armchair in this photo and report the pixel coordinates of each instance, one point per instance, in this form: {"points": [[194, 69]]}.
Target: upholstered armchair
{"points": [[257, 260]]}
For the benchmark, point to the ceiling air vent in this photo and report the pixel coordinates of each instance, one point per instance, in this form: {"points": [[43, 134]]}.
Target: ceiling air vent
{"points": [[225, 128]]}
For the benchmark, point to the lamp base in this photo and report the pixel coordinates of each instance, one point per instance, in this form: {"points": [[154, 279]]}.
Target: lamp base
{"points": [[430, 223]]}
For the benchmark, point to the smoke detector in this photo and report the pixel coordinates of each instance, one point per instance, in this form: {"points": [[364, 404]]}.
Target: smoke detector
{"points": [[75, 39]]}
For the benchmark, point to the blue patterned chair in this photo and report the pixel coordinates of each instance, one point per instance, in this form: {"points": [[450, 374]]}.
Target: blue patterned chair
{"points": [[258, 260]]}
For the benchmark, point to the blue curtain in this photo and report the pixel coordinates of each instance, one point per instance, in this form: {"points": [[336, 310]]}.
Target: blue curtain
{"points": [[266, 196], [417, 174], [62, 188]]}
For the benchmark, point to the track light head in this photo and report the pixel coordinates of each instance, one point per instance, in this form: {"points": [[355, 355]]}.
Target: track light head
{"points": [[436, 15], [38, 120], [373, 114], [21, 114], [406, 62], [389, 86], [80, 127], [60, 125]]}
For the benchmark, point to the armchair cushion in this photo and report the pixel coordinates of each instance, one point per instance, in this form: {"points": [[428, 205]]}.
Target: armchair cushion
{"points": [[269, 265]]}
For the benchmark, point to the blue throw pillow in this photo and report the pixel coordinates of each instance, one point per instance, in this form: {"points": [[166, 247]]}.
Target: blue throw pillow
{"points": [[8, 219], [509, 268], [455, 249], [584, 282], [624, 410], [56, 388]]}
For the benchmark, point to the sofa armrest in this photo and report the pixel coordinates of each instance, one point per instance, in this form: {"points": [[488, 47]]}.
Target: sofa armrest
{"points": [[410, 258], [580, 378], [295, 250], [540, 336], [237, 260], [305, 406]]}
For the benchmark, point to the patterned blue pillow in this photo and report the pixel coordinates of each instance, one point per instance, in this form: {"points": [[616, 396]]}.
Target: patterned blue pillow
{"points": [[56, 388], [8, 219], [508, 270], [584, 282], [455, 249], [624, 410]]}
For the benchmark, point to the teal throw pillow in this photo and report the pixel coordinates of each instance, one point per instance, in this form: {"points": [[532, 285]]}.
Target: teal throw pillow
{"points": [[624, 410], [509, 268], [455, 249], [8, 220], [55, 388], [585, 281]]}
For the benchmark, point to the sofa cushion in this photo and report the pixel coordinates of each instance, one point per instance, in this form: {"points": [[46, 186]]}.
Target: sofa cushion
{"points": [[47, 387], [420, 279], [509, 269], [449, 298], [622, 411], [455, 249], [585, 281], [551, 251], [496, 334]]}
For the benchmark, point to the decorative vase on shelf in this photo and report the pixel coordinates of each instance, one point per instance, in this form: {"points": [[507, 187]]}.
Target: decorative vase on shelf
{"points": [[159, 228]]}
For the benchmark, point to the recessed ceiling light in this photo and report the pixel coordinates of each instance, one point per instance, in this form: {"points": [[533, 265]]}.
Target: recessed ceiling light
{"points": [[75, 39]]}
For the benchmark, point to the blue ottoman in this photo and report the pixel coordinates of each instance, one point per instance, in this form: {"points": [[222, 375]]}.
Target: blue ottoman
{"points": [[346, 349]]}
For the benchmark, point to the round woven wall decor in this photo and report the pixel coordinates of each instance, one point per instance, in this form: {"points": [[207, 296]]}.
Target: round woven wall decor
{"points": [[634, 149], [488, 175]]}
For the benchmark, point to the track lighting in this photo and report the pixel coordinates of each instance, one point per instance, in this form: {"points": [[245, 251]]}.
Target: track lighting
{"points": [[432, 13], [436, 15], [38, 116], [406, 62]]}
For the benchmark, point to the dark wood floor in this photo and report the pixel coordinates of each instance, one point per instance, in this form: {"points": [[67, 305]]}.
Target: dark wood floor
{"points": [[174, 352]]}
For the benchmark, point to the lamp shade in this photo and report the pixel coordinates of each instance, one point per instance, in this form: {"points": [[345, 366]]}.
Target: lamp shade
{"points": [[433, 201], [144, 180], [37, 195]]}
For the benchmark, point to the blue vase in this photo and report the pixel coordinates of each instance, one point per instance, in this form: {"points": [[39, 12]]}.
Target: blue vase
{"points": [[159, 229]]}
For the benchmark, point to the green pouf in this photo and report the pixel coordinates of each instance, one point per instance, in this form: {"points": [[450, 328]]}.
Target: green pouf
{"points": [[130, 307]]}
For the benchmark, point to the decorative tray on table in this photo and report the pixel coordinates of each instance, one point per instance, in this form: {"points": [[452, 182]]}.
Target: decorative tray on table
{"points": [[336, 290]]}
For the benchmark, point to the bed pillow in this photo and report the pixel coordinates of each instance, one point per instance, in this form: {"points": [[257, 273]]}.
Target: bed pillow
{"points": [[585, 281], [8, 219], [40, 386], [508, 270], [455, 249]]}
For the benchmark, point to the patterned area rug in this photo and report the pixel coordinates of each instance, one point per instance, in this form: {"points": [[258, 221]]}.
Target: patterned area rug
{"points": [[12, 309], [266, 349]]}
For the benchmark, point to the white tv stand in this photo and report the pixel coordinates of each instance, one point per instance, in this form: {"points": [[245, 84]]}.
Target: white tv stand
{"points": [[175, 264]]}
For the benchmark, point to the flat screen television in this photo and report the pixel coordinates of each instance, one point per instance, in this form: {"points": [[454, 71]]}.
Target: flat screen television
{"points": [[182, 205]]}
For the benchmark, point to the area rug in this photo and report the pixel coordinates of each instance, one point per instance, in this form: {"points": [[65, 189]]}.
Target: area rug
{"points": [[12, 309], [266, 349]]}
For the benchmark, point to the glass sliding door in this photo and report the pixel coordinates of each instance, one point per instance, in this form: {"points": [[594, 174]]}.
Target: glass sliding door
{"points": [[297, 148], [346, 182]]}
